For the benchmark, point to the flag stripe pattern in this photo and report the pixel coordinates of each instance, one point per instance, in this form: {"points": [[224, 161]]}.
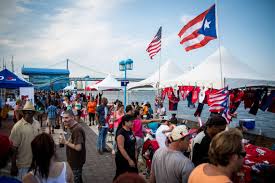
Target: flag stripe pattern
{"points": [[155, 45], [199, 31], [226, 114], [219, 102]]}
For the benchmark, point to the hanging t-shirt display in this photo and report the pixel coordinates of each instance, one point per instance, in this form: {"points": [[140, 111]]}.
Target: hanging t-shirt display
{"points": [[173, 102], [185, 90], [170, 93], [202, 95], [189, 100], [258, 96], [271, 108], [236, 97], [199, 110], [195, 94], [207, 92], [248, 98], [201, 104], [267, 100]]}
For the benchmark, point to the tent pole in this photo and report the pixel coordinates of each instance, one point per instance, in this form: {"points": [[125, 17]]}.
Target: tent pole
{"points": [[219, 40]]}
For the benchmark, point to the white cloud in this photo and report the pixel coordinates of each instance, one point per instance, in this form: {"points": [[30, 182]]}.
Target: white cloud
{"points": [[20, 9], [78, 33]]}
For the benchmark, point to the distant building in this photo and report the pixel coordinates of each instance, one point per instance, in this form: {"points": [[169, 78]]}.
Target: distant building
{"points": [[47, 79]]}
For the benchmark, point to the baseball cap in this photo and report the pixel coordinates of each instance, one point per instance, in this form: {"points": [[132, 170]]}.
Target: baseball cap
{"points": [[179, 132], [216, 120], [5, 145], [164, 118]]}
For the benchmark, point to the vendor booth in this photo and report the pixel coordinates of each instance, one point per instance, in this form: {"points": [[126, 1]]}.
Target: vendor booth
{"points": [[109, 83], [167, 71], [9, 85], [234, 73]]}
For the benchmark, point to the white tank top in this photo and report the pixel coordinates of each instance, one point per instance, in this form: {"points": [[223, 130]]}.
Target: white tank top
{"points": [[59, 179]]}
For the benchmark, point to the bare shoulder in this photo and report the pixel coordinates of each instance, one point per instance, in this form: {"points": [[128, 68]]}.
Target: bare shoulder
{"points": [[56, 171]]}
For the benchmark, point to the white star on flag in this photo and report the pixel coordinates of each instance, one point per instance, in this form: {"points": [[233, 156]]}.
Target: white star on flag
{"points": [[206, 24]]}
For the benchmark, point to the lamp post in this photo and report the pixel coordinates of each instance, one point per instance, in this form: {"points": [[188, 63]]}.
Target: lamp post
{"points": [[125, 65]]}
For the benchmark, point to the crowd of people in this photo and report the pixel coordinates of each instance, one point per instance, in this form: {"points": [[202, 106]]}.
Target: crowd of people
{"points": [[212, 155]]}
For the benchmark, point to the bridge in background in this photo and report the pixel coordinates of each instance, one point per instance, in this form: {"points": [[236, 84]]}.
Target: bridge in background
{"points": [[100, 79]]}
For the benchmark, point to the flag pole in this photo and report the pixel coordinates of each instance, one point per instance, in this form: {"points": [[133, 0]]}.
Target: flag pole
{"points": [[219, 40], [159, 65]]}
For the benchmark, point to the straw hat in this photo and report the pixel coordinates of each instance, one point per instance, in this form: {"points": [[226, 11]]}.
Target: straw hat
{"points": [[28, 106]]}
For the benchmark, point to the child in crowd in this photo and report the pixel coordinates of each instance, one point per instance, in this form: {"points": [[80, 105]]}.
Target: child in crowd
{"points": [[84, 113]]}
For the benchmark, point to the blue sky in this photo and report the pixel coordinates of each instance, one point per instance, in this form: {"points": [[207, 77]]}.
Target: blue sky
{"points": [[98, 34]]}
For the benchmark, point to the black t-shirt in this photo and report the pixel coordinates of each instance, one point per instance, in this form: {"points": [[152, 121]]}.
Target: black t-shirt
{"points": [[129, 143], [76, 159], [200, 151]]}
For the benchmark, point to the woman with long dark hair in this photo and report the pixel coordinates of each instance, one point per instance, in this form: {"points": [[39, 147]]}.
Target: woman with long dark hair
{"points": [[126, 155], [118, 114], [44, 167]]}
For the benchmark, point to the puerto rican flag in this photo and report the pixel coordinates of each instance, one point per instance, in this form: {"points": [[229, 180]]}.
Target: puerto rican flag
{"points": [[199, 31], [218, 102], [226, 114]]}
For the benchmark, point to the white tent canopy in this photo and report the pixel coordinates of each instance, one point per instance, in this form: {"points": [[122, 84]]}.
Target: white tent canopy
{"points": [[70, 87], [167, 71], [109, 83], [235, 74]]}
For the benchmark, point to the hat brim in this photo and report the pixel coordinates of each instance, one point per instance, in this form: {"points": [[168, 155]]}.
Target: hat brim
{"points": [[190, 133], [164, 120], [28, 110]]}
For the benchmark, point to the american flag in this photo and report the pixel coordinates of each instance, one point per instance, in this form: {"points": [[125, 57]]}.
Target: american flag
{"points": [[219, 102], [155, 45]]}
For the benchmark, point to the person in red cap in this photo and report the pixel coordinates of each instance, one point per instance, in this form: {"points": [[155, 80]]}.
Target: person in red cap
{"points": [[5, 155], [169, 163]]}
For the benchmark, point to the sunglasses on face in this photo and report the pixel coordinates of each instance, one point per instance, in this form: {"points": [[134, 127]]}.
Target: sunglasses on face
{"points": [[28, 112], [243, 154]]}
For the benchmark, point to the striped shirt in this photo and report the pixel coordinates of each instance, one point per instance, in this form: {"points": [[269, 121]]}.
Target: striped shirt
{"points": [[52, 111]]}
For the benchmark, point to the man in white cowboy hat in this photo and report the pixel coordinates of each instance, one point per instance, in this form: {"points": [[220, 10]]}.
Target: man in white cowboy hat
{"points": [[169, 163], [22, 134]]}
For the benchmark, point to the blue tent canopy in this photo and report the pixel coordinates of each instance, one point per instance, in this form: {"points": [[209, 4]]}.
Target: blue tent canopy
{"points": [[10, 80]]}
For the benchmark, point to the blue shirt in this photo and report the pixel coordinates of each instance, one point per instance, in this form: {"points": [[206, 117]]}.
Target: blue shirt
{"points": [[52, 111], [101, 111], [153, 126], [5, 179]]}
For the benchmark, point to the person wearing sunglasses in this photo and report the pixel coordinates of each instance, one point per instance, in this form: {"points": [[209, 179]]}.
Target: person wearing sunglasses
{"points": [[22, 134], [226, 155]]}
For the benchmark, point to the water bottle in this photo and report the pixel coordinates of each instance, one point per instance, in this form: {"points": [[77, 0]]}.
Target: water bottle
{"points": [[60, 137], [260, 132]]}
